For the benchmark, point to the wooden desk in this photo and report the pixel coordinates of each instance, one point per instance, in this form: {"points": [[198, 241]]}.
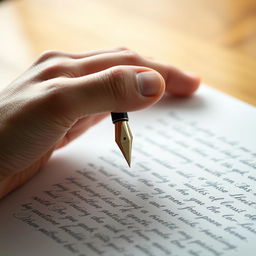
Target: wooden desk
{"points": [[216, 39]]}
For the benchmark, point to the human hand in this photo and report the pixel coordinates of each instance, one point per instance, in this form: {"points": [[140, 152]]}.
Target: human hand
{"points": [[62, 94]]}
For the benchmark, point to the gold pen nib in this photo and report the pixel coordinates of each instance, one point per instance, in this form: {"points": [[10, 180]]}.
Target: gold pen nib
{"points": [[123, 138]]}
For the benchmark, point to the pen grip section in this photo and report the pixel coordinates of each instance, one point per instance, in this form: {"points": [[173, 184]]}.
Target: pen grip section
{"points": [[118, 117]]}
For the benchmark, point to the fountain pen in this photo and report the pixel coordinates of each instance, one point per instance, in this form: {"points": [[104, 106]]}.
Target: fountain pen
{"points": [[123, 135]]}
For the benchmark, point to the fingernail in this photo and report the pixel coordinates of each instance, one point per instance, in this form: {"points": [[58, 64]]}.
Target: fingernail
{"points": [[148, 83]]}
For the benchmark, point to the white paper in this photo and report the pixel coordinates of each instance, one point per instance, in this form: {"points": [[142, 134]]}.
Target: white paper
{"points": [[191, 189]]}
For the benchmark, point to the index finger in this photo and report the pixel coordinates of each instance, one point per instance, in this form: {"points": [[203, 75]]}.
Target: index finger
{"points": [[177, 82]]}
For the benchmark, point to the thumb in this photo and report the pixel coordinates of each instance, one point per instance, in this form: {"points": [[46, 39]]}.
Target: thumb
{"points": [[117, 89]]}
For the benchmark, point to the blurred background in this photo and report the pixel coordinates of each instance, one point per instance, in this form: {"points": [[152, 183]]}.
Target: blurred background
{"points": [[214, 38]]}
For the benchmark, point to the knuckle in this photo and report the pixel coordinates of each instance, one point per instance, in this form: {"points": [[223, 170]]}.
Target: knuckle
{"points": [[121, 48], [48, 54], [131, 56], [56, 67], [116, 84], [56, 91], [53, 67], [57, 100]]}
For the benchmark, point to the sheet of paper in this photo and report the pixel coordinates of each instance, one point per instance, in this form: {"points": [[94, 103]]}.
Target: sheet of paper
{"points": [[191, 189]]}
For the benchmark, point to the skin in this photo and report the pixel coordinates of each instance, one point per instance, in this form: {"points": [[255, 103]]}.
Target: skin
{"points": [[63, 94]]}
